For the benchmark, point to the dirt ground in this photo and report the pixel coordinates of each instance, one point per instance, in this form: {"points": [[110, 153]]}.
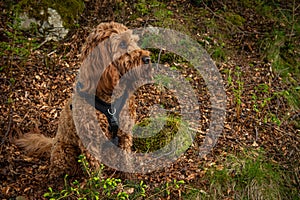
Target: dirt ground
{"points": [[37, 88]]}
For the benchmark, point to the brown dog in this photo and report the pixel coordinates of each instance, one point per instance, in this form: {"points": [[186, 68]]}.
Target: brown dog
{"points": [[108, 54]]}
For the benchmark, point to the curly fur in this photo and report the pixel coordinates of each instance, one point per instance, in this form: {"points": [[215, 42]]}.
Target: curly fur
{"points": [[109, 52]]}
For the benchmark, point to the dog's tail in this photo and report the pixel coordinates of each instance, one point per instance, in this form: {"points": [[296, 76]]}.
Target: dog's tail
{"points": [[36, 144]]}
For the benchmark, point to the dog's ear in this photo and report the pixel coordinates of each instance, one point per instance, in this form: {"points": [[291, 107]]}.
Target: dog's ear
{"points": [[108, 81], [101, 33], [98, 67]]}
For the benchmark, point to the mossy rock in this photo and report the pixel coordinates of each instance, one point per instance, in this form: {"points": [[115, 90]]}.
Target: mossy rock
{"points": [[169, 132], [69, 10]]}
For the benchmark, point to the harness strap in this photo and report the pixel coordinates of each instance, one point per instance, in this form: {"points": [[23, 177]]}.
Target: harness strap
{"points": [[111, 111]]}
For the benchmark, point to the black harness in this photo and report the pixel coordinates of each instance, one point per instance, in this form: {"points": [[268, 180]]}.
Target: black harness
{"points": [[111, 111]]}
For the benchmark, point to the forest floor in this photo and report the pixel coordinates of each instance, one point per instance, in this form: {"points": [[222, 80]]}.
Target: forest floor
{"points": [[261, 129]]}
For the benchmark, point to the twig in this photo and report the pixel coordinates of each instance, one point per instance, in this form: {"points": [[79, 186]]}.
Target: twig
{"points": [[44, 42], [293, 21], [158, 59], [256, 134]]}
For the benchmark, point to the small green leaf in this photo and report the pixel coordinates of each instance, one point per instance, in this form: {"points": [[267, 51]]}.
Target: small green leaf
{"points": [[168, 192], [46, 194]]}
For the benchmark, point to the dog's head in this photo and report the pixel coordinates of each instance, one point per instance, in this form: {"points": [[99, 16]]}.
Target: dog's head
{"points": [[109, 53]]}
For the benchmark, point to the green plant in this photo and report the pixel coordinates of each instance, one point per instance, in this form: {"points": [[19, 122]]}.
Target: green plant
{"points": [[237, 86], [192, 193], [95, 187], [142, 7], [170, 188], [258, 101], [219, 52], [157, 9], [248, 175], [18, 47], [162, 13], [281, 45], [262, 99]]}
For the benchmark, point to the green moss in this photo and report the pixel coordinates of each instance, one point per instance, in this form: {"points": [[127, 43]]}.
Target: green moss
{"points": [[234, 18], [153, 134], [219, 53]]}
